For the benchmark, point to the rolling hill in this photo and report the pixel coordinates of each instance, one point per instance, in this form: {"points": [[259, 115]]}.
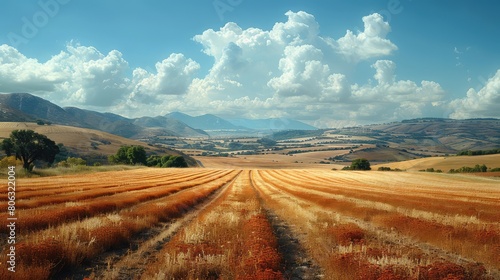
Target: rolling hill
{"points": [[205, 122], [443, 134], [444, 163], [27, 107], [162, 125], [87, 143]]}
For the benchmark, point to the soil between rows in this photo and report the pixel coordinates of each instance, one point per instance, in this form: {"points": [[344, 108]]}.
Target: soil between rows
{"points": [[296, 262], [130, 262]]}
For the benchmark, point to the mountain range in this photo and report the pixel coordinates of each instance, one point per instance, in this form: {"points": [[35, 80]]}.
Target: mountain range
{"points": [[24, 107]]}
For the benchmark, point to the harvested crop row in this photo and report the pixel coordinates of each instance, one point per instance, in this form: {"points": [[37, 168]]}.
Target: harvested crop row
{"points": [[83, 185], [134, 262], [39, 218], [71, 244], [344, 248], [481, 204], [229, 240], [475, 240], [402, 204]]}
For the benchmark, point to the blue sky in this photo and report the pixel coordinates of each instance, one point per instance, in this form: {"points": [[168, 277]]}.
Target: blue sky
{"points": [[328, 63]]}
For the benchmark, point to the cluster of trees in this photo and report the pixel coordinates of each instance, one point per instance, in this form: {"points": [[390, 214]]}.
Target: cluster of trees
{"points": [[479, 152], [359, 164], [72, 161], [431, 169], [386, 168], [466, 169], [136, 155], [166, 161], [130, 155]]}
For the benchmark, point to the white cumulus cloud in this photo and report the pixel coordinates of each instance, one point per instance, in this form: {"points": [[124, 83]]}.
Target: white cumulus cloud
{"points": [[173, 77], [484, 103], [369, 43], [291, 70]]}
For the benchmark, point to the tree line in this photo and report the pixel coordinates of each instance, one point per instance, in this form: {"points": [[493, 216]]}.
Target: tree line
{"points": [[478, 152]]}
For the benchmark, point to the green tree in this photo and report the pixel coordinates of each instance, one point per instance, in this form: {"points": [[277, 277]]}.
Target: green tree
{"points": [[129, 155], [176, 161], [153, 160], [29, 146], [166, 161], [360, 164], [120, 157], [136, 155]]}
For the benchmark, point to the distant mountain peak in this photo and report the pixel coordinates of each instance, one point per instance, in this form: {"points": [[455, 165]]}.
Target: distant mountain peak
{"points": [[27, 107]]}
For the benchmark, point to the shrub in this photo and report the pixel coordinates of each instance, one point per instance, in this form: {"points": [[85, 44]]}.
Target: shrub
{"points": [[466, 169], [384, 168], [359, 164], [166, 161], [9, 161]]}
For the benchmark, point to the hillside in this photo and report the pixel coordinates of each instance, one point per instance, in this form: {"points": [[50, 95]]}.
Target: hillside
{"points": [[26, 107], [160, 126], [85, 142], [445, 135], [444, 163], [216, 124], [205, 122]]}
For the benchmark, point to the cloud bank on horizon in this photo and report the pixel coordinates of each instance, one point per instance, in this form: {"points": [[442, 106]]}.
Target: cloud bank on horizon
{"points": [[288, 71]]}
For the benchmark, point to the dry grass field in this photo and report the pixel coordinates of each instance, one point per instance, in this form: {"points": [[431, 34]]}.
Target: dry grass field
{"points": [[270, 161], [444, 163], [255, 224]]}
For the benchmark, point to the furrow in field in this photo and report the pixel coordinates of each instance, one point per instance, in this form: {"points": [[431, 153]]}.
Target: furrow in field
{"points": [[129, 264], [449, 209], [39, 218], [297, 264], [427, 185], [71, 244], [231, 239], [474, 241], [82, 186], [325, 222]]}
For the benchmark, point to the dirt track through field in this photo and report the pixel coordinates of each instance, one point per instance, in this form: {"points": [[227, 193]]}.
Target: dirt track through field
{"points": [[291, 193], [296, 261], [130, 263]]}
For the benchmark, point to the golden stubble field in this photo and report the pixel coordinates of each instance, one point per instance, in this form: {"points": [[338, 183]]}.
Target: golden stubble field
{"points": [[444, 163], [255, 224]]}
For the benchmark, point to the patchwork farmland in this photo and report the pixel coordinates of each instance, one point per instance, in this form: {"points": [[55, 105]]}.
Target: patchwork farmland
{"points": [[255, 224]]}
